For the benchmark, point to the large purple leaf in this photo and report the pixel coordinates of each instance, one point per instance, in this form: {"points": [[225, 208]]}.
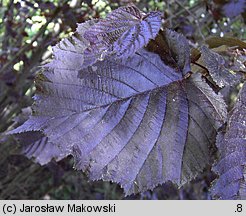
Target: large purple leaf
{"points": [[139, 124], [131, 117], [232, 148]]}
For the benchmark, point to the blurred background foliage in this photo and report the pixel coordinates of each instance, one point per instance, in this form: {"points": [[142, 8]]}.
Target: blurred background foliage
{"points": [[28, 30]]}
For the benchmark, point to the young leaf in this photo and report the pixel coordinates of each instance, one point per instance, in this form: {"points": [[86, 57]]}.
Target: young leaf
{"points": [[216, 67], [173, 48], [232, 148], [179, 48], [124, 31]]}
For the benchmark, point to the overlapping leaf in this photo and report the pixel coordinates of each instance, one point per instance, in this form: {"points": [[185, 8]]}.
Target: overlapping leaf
{"points": [[123, 32], [232, 149], [215, 64]]}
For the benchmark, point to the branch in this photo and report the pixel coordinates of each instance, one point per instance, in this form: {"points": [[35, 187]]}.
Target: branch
{"points": [[194, 17], [28, 46]]}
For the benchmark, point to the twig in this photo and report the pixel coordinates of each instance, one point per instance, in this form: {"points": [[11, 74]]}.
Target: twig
{"points": [[176, 14], [170, 11]]}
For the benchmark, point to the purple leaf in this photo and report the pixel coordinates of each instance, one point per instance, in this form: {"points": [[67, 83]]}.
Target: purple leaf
{"points": [[123, 32], [232, 149], [234, 8], [135, 121], [138, 36], [215, 64], [70, 52], [35, 145], [179, 48], [173, 48], [207, 112], [139, 124]]}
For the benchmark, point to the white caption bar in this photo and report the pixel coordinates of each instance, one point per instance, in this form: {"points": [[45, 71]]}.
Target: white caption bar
{"points": [[121, 208]]}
